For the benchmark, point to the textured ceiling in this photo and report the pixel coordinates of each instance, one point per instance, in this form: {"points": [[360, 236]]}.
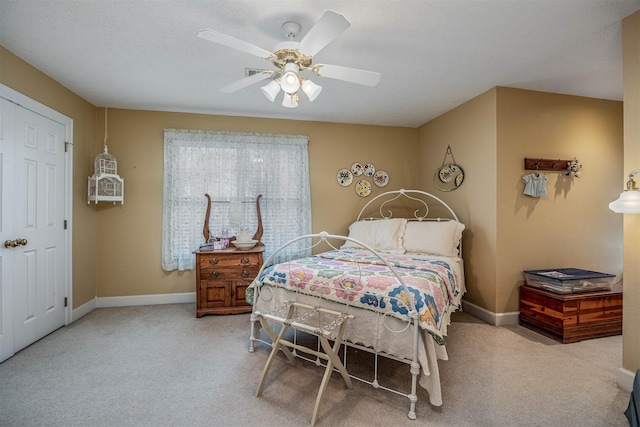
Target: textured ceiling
{"points": [[433, 54]]}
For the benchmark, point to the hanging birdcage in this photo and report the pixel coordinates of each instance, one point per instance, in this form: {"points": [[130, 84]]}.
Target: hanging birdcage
{"points": [[105, 184]]}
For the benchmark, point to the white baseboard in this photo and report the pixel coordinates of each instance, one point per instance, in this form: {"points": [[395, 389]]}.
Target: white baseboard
{"points": [[625, 379], [83, 310], [105, 302], [155, 299], [495, 319]]}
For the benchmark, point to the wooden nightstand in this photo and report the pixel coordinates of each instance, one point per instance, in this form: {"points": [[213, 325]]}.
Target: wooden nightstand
{"points": [[222, 278], [571, 317]]}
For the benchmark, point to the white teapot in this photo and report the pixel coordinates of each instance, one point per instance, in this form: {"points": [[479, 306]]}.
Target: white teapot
{"points": [[244, 235]]}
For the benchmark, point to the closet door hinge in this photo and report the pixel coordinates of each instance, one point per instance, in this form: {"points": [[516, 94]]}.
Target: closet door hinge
{"points": [[65, 224], [66, 301]]}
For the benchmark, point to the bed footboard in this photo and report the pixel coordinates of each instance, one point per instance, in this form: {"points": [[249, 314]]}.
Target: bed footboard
{"points": [[280, 293]]}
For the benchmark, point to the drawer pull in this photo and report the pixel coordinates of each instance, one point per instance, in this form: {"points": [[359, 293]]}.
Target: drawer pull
{"points": [[245, 273], [244, 260], [213, 261], [214, 274]]}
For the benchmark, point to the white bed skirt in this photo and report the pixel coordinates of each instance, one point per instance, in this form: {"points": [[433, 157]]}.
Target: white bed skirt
{"points": [[384, 333]]}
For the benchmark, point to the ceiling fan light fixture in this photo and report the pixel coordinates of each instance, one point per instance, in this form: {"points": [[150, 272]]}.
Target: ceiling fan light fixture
{"points": [[271, 90], [290, 100], [290, 82], [311, 89], [292, 57]]}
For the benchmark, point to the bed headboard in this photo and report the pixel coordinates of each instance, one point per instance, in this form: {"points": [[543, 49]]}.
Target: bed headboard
{"points": [[420, 197]]}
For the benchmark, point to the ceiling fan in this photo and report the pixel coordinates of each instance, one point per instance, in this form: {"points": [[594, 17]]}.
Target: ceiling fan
{"points": [[291, 58]]}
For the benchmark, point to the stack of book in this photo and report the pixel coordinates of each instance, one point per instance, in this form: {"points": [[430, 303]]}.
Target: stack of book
{"points": [[206, 247]]}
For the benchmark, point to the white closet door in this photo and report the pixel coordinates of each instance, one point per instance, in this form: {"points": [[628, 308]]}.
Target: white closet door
{"points": [[33, 245]]}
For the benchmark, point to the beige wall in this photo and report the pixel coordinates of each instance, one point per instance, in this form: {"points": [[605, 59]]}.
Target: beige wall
{"points": [[509, 232], [116, 248], [470, 130], [572, 226], [23, 78], [631, 308], [129, 235]]}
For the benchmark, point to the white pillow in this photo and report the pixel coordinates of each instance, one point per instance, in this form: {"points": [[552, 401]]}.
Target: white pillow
{"points": [[433, 237], [383, 235]]}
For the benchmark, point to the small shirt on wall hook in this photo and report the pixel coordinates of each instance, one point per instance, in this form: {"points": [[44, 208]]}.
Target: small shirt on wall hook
{"points": [[535, 185]]}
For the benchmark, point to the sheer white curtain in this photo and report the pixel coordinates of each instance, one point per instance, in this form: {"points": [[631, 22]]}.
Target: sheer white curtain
{"points": [[233, 168]]}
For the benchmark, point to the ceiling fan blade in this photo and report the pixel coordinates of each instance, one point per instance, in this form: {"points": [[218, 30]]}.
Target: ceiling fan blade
{"points": [[353, 75], [329, 26], [234, 43], [247, 81]]}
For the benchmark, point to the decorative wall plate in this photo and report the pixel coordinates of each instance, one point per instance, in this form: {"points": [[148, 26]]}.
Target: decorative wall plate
{"points": [[369, 169], [344, 177], [445, 173], [448, 177], [356, 169], [381, 178], [363, 188]]}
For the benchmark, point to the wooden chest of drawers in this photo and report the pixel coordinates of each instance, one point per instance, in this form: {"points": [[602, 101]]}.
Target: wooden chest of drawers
{"points": [[571, 317], [222, 278]]}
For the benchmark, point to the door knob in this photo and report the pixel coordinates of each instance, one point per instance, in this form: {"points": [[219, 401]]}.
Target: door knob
{"points": [[14, 243]]}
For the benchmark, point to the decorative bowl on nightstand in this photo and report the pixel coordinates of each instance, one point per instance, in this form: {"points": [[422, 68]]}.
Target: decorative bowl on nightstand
{"points": [[248, 244]]}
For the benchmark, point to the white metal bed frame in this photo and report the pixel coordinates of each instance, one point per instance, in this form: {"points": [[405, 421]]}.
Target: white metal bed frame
{"points": [[320, 331]]}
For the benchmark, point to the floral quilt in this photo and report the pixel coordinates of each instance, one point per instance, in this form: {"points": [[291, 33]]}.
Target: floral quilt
{"points": [[360, 279]]}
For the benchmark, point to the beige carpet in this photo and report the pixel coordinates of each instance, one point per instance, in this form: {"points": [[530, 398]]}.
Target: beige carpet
{"points": [[160, 366]]}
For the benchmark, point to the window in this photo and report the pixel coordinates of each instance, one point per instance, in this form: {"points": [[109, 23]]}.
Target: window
{"points": [[233, 168]]}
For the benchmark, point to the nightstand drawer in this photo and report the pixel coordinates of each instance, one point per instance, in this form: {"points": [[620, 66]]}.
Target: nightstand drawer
{"points": [[221, 273], [225, 260]]}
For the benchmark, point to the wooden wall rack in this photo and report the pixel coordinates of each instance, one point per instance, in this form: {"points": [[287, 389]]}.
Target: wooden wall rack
{"points": [[546, 164]]}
